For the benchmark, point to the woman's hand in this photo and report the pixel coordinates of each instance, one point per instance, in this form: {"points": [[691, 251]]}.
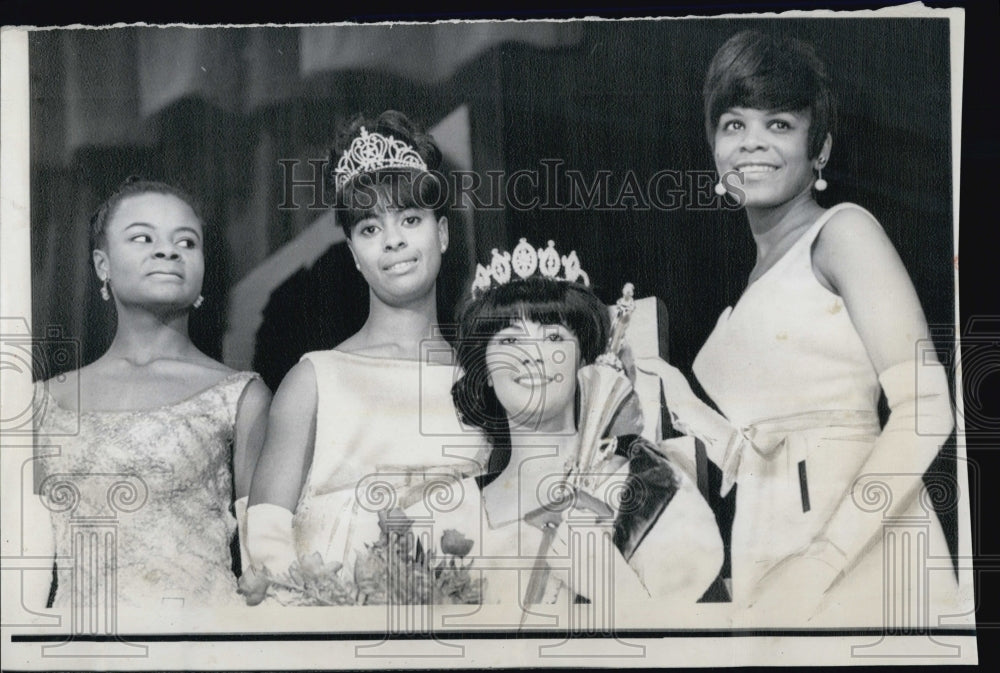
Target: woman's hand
{"points": [[793, 591], [724, 443], [253, 586], [689, 414]]}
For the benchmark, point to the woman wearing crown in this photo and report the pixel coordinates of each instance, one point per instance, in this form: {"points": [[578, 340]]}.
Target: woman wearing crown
{"points": [[530, 330], [355, 430]]}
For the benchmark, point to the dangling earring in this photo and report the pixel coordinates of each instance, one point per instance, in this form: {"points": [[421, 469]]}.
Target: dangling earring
{"points": [[105, 294], [820, 184], [198, 302]]}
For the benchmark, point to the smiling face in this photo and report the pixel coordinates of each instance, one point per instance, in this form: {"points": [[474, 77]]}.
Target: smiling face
{"points": [[770, 152], [398, 251], [153, 252], [532, 368]]}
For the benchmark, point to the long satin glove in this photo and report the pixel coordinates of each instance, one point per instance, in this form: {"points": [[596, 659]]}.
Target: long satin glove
{"points": [[920, 420], [270, 545], [724, 442]]}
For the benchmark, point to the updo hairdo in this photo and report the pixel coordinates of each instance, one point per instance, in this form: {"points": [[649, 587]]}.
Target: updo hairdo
{"points": [[133, 186], [758, 71], [372, 192]]}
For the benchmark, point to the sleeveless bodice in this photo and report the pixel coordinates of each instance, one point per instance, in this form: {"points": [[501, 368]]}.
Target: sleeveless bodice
{"points": [[382, 425], [788, 346], [140, 500]]}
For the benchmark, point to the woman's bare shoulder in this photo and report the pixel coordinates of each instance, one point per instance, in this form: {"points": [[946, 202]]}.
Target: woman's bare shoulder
{"points": [[298, 387], [853, 244]]}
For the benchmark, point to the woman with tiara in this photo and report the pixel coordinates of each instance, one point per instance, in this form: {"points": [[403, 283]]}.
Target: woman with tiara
{"points": [[829, 320], [353, 430], [523, 338], [153, 430]]}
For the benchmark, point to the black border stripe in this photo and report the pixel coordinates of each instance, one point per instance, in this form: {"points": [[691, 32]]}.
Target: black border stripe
{"points": [[489, 635]]}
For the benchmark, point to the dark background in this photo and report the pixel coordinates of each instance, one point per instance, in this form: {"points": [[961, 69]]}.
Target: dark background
{"points": [[625, 97]]}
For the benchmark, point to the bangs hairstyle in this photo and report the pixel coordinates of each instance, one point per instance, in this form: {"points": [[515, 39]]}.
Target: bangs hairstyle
{"points": [[133, 186], [754, 70], [375, 192], [547, 302]]}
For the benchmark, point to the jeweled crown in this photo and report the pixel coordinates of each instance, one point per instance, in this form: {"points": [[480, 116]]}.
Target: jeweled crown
{"points": [[524, 263], [374, 151]]}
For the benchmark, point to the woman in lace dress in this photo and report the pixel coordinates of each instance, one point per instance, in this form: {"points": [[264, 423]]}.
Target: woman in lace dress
{"points": [[154, 435], [828, 321], [352, 429]]}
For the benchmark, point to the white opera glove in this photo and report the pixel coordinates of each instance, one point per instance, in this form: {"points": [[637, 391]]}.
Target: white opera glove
{"points": [[920, 420], [724, 442], [270, 542], [271, 549]]}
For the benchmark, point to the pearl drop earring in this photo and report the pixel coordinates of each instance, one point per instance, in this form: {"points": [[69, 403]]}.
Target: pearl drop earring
{"points": [[820, 185]]}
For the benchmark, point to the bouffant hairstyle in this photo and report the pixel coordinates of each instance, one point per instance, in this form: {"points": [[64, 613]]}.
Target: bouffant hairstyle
{"points": [[369, 193], [133, 186], [541, 300], [759, 71]]}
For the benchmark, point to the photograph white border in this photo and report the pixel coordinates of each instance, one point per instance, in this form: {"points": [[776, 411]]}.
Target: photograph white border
{"points": [[196, 652]]}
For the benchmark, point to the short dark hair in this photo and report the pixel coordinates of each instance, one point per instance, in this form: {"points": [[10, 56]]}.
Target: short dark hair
{"points": [[759, 71], [132, 186], [548, 302], [391, 188]]}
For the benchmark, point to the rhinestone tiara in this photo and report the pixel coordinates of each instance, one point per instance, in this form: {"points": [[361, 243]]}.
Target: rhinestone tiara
{"points": [[524, 263], [374, 151]]}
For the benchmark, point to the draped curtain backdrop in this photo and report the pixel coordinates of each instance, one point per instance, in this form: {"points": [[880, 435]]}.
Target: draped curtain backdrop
{"points": [[215, 111]]}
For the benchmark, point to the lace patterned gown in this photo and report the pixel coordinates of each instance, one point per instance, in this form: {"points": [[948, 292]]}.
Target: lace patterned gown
{"points": [[140, 500]]}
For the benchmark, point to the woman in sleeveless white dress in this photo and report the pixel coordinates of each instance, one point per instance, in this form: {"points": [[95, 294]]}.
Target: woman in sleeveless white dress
{"points": [[828, 320], [352, 430], [148, 435]]}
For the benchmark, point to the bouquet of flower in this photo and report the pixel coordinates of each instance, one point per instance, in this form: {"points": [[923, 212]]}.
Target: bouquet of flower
{"points": [[394, 569]]}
